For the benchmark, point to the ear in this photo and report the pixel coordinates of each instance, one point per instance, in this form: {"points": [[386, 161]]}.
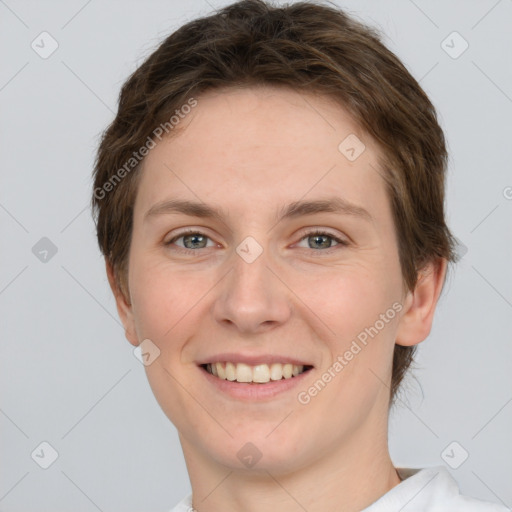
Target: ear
{"points": [[420, 304], [124, 308]]}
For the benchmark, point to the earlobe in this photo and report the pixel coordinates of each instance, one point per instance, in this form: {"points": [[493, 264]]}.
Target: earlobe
{"points": [[416, 321], [124, 308]]}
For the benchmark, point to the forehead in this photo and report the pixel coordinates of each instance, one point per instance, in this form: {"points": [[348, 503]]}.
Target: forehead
{"points": [[266, 116], [259, 144]]}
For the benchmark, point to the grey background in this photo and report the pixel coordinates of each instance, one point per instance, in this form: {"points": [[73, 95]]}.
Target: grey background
{"points": [[69, 377]]}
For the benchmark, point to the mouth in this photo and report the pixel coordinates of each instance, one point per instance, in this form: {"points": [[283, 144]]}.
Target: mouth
{"points": [[255, 374]]}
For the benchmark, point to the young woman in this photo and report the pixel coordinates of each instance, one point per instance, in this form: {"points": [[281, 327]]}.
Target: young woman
{"points": [[269, 201]]}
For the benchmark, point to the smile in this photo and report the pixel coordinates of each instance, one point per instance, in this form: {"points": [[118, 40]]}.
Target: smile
{"points": [[255, 374]]}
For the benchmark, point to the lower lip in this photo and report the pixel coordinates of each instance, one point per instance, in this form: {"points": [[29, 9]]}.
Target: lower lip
{"points": [[251, 392]]}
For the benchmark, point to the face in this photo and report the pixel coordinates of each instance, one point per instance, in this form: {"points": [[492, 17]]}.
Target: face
{"points": [[296, 271]]}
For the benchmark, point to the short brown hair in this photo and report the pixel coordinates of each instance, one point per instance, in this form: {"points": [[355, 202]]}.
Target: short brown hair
{"points": [[307, 47]]}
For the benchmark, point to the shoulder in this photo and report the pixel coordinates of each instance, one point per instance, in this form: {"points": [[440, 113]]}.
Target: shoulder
{"points": [[185, 505], [466, 503], [421, 490], [430, 490]]}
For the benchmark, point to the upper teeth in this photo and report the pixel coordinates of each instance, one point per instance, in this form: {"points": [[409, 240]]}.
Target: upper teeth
{"points": [[260, 373]]}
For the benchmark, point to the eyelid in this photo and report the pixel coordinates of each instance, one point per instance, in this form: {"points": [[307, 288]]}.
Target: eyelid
{"points": [[305, 233], [340, 241], [310, 231], [188, 231]]}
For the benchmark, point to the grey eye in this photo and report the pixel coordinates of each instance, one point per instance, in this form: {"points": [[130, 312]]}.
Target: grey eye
{"points": [[196, 241]]}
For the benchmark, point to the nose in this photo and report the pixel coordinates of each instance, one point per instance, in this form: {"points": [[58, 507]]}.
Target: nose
{"points": [[252, 297]]}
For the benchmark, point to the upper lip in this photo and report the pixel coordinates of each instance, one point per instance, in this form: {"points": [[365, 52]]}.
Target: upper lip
{"points": [[253, 359]]}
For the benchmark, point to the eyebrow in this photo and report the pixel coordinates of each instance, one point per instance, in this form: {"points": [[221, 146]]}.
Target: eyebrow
{"points": [[290, 211]]}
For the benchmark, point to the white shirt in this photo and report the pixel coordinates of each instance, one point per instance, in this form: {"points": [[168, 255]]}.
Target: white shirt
{"points": [[421, 490]]}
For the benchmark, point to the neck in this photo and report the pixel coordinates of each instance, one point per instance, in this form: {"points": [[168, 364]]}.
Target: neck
{"points": [[347, 479]]}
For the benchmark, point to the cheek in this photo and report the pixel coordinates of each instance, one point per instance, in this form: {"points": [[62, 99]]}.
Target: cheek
{"points": [[156, 296], [360, 309], [165, 300], [351, 299]]}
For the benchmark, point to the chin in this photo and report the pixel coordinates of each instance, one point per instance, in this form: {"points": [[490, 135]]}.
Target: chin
{"points": [[256, 453]]}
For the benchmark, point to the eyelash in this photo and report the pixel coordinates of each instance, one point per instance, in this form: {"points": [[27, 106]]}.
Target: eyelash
{"points": [[317, 232]]}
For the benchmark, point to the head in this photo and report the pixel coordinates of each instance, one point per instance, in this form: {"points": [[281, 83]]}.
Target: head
{"points": [[251, 111]]}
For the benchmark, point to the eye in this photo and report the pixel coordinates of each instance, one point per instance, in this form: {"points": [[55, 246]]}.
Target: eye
{"points": [[322, 240], [192, 240]]}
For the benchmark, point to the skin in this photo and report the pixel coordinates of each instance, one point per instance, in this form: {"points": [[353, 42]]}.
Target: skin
{"points": [[249, 152]]}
